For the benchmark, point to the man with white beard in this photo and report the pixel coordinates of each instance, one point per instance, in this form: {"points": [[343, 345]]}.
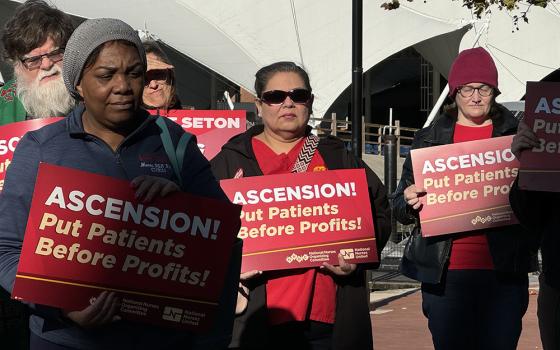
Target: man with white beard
{"points": [[34, 40]]}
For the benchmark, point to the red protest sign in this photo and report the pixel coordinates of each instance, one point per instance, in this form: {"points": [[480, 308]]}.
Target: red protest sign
{"points": [[213, 128], [302, 220], [467, 185], [540, 166], [9, 137], [85, 233]]}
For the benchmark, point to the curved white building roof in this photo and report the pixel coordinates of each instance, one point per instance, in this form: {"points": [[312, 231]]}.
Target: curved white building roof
{"points": [[236, 38]]}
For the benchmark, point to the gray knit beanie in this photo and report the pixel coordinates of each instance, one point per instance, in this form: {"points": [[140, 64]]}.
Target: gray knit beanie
{"points": [[87, 37]]}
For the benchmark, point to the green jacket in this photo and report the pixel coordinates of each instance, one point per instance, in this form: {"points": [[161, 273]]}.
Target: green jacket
{"points": [[11, 109]]}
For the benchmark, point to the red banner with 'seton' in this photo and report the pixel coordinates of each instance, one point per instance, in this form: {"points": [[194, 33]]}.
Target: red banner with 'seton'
{"points": [[213, 128], [86, 233], [302, 220]]}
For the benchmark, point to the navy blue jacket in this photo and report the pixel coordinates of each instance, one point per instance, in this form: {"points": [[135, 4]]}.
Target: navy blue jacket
{"points": [[65, 143]]}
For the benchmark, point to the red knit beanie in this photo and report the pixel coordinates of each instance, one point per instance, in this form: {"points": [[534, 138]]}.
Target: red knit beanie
{"points": [[473, 66]]}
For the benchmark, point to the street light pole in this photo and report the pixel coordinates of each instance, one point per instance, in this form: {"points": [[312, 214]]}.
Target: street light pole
{"points": [[357, 70]]}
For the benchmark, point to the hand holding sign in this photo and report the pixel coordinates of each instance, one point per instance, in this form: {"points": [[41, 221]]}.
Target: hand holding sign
{"points": [[243, 291], [343, 268], [465, 185], [246, 276], [102, 311], [151, 187], [304, 219], [524, 139], [412, 196], [91, 235]]}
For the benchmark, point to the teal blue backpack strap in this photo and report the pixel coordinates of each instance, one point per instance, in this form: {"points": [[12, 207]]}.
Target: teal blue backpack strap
{"points": [[175, 156], [182, 147]]}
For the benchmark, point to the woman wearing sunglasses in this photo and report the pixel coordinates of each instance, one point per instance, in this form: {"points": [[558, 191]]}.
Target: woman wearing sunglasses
{"points": [[314, 308], [474, 284], [160, 88]]}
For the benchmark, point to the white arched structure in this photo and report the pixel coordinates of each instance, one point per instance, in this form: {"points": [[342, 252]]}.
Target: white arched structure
{"points": [[236, 38]]}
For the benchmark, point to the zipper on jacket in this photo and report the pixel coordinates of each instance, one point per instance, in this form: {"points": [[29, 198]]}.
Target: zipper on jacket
{"points": [[116, 154]]}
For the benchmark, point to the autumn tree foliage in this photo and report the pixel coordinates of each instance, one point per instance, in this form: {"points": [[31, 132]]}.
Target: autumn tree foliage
{"points": [[480, 6]]}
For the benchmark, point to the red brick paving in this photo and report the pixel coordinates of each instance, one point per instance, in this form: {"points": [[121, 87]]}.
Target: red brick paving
{"points": [[405, 327]]}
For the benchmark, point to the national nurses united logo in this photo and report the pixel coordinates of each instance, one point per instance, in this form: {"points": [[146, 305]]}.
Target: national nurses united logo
{"points": [[173, 314], [348, 253]]}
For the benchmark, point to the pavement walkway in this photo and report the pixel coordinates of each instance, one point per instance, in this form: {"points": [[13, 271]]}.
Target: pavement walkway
{"points": [[398, 322]]}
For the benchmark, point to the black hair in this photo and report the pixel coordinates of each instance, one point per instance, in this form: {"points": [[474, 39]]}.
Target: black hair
{"points": [[153, 47], [264, 74]]}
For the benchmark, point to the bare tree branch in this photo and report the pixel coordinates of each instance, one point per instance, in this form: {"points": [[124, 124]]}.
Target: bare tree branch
{"points": [[480, 6]]}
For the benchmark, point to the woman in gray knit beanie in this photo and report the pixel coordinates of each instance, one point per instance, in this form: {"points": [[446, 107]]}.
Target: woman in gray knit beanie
{"points": [[110, 48], [86, 42], [109, 134]]}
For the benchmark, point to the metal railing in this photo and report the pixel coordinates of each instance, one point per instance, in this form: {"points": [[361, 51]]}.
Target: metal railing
{"points": [[372, 133], [372, 143]]}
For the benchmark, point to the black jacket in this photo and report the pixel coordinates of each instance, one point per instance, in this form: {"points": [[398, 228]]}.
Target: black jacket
{"points": [[538, 212], [512, 248], [352, 329]]}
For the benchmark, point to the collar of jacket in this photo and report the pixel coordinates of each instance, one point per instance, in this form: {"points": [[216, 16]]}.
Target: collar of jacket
{"points": [[442, 128], [242, 142], [330, 147], [75, 126]]}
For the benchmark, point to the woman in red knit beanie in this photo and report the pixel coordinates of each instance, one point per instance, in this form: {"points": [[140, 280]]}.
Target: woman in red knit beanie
{"points": [[474, 284]]}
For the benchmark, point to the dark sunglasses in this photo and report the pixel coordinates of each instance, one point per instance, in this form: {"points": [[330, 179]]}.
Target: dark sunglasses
{"points": [[35, 62], [276, 97], [157, 74]]}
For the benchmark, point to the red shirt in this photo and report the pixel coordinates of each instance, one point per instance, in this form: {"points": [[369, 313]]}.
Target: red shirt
{"points": [[470, 250], [302, 294]]}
